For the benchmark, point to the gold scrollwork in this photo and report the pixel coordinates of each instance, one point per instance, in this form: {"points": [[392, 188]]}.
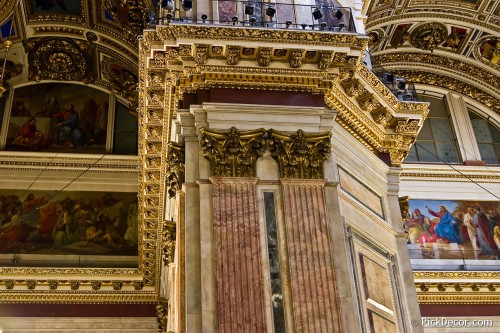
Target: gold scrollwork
{"points": [[300, 155], [162, 314], [232, 153]]}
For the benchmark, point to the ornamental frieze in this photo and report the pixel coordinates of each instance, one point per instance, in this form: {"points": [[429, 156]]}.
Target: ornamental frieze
{"points": [[232, 153], [168, 242], [300, 155]]}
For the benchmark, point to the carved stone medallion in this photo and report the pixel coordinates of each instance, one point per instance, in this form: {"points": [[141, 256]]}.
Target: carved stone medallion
{"points": [[59, 59], [428, 36]]}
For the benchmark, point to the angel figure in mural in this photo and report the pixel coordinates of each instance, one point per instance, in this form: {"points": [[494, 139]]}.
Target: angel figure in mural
{"points": [[484, 239], [447, 227]]}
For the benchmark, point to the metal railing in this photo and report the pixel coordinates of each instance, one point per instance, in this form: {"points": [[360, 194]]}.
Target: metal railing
{"points": [[258, 14], [439, 259]]}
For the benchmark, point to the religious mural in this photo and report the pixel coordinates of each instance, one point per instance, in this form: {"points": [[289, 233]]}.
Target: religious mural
{"points": [[58, 117], [56, 6], [449, 229], [52, 222]]}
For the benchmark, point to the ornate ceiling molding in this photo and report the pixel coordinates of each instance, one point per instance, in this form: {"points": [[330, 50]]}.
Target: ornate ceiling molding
{"points": [[464, 67], [445, 81]]}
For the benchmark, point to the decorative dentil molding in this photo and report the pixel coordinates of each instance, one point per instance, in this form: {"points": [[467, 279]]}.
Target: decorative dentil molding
{"points": [[300, 155], [232, 153]]}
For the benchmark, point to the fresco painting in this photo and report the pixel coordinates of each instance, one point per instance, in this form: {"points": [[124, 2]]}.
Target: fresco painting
{"points": [[51, 222], [56, 6], [456, 229], [58, 117]]}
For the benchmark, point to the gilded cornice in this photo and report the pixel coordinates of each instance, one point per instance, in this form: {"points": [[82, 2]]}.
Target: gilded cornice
{"points": [[300, 155], [184, 31], [232, 153]]}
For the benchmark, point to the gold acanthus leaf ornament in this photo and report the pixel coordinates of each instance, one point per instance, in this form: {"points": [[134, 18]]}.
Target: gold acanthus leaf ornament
{"points": [[300, 155], [232, 153]]}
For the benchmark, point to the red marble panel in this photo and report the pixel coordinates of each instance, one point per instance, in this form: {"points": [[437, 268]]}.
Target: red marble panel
{"points": [[238, 267], [313, 286]]}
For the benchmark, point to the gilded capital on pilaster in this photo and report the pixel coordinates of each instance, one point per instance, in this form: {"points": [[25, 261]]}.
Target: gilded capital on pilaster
{"points": [[300, 155], [232, 153], [175, 167]]}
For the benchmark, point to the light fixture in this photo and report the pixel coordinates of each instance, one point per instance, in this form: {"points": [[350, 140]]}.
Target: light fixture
{"points": [[317, 14], [234, 19], [204, 17], [288, 23], [249, 9], [169, 17], [303, 25], [323, 25], [400, 83], [388, 77], [270, 11], [187, 5], [338, 14], [167, 4], [253, 20], [341, 26]]}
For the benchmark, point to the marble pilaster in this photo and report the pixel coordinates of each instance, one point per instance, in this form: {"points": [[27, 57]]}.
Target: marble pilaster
{"points": [[312, 274], [237, 252]]}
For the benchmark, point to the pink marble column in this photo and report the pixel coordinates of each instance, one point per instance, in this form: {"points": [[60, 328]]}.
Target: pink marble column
{"points": [[238, 267], [312, 277]]}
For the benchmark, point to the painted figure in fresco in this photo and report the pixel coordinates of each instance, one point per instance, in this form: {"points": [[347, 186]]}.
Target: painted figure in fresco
{"points": [[428, 233], [471, 230], [89, 117], [493, 220], [462, 228], [447, 227], [69, 133], [20, 110], [496, 236], [100, 127], [415, 226], [51, 108], [484, 239], [29, 136], [131, 236], [65, 231]]}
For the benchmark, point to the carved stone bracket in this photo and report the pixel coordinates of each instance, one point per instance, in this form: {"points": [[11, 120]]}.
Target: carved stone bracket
{"points": [[232, 153], [162, 314], [300, 155], [175, 167], [168, 242]]}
